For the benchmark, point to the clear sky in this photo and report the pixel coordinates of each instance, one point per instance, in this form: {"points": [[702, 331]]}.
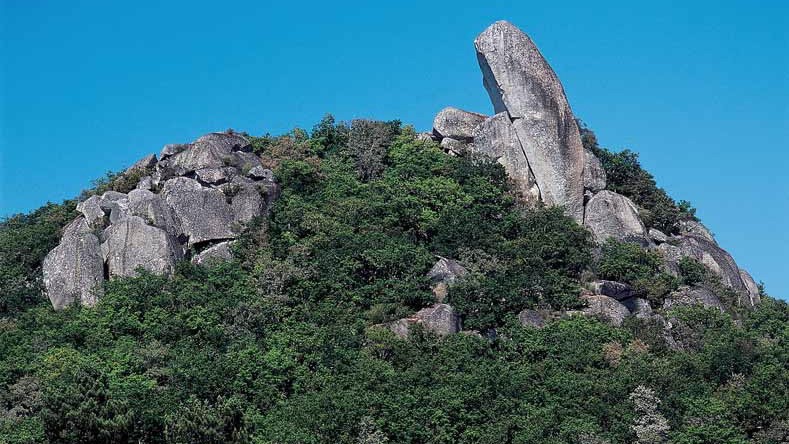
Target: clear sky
{"points": [[699, 88]]}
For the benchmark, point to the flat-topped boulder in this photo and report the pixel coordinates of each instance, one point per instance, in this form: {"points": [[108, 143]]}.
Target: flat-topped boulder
{"points": [[456, 123], [440, 319], [520, 82], [73, 272], [204, 213]]}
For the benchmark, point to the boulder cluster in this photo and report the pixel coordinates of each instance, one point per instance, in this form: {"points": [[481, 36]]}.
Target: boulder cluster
{"points": [[534, 136], [190, 203]]}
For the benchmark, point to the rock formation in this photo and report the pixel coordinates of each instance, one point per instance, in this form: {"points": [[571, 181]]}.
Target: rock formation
{"points": [[611, 215], [198, 199]]}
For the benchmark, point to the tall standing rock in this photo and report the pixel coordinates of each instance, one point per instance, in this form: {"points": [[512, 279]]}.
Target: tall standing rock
{"points": [[520, 82]]}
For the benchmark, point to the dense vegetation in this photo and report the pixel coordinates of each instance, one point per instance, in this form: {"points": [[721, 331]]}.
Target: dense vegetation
{"points": [[281, 345]]}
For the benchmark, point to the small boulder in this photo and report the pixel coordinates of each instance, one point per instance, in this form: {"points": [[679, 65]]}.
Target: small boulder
{"points": [[531, 318], [216, 253], [609, 309], [685, 296], [245, 199], [657, 236], [260, 173], [173, 149], [215, 176], [613, 289], [145, 183], [594, 174], [145, 163], [154, 210], [696, 228], [638, 307], [611, 215], [443, 274], [74, 270], [440, 319], [91, 209], [453, 146], [456, 123], [132, 244]]}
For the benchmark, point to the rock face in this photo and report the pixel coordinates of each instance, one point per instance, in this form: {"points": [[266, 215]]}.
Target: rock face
{"points": [[133, 244], [531, 318], [198, 198], [611, 215], [594, 174], [496, 138], [521, 83], [613, 289], [693, 296], [605, 307], [456, 124], [74, 270]]}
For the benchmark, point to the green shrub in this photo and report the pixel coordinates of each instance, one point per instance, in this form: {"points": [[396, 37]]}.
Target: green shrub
{"points": [[642, 269]]}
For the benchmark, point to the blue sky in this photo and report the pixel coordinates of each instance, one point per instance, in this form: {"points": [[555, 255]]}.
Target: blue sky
{"points": [[700, 91]]}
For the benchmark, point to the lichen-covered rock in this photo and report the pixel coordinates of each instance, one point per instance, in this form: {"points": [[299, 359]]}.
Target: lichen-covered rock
{"points": [[260, 173], [74, 270], [609, 309], [203, 213], [443, 274], [657, 236], [453, 146], [613, 289], [440, 319], [215, 253], [154, 210], [115, 204], [520, 82], [215, 176], [145, 183], [133, 244], [146, 162], [496, 138], [695, 228], [456, 123], [173, 149], [611, 215], [245, 199], [639, 307], [91, 209], [594, 174], [213, 150], [531, 318], [685, 296]]}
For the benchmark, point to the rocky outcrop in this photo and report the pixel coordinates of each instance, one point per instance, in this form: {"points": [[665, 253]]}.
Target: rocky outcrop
{"points": [[456, 124], [638, 307], [199, 197], [685, 296], [708, 254], [609, 309], [611, 215], [754, 295], [496, 138], [521, 83], [74, 270], [440, 319]]}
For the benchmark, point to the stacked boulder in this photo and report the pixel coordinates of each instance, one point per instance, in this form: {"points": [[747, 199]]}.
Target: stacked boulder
{"points": [[535, 137], [197, 199]]}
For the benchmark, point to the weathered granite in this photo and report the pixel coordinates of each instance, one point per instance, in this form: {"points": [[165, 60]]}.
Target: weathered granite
{"points": [[594, 174], [453, 146], [531, 318], [440, 319], [495, 137], [133, 244], [73, 272], [657, 236], [520, 82], [154, 210], [215, 253], [754, 296], [611, 215], [685, 296], [613, 289], [204, 213], [609, 309], [456, 123]]}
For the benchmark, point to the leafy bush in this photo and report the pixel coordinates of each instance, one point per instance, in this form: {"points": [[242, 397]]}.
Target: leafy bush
{"points": [[642, 269]]}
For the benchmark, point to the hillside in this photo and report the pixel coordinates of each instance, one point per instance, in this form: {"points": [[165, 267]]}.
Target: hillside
{"points": [[501, 279]]}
